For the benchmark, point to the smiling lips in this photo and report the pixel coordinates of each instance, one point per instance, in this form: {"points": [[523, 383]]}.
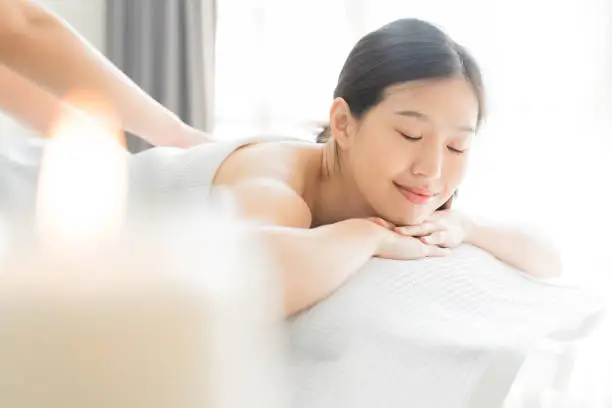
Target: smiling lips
{"points": [[416, 196]]}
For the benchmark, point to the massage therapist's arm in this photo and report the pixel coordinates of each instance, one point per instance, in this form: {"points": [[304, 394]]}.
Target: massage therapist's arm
{"points": [[39, 46], [312, 262], [28, 104]]}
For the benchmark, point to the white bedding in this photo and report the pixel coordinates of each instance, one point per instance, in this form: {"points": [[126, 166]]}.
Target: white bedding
{"points": [[427, 333]]}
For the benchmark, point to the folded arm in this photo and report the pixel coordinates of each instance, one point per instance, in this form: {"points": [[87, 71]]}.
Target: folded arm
{"points": [[312, 262], [515, 246], [519, 248]]}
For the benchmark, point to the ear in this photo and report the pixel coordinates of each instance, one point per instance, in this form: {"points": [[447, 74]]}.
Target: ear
{"points": [[342, 123]]}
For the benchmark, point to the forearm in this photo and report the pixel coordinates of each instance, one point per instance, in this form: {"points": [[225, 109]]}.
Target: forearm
{"points": [[48, 52], [517, 248], [28, 104], [315, 262]]}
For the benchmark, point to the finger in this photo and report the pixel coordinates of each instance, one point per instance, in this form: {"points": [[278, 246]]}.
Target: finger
{"points": [[383, 223], [439, 217], [378, 221], [437, 238], [434, 217], [411, 231], [420, 230], [388, 224], [435, 251]]}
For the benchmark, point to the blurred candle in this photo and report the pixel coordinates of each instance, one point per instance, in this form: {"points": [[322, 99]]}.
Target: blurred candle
{"points": [[83, 179], [181, 311]]}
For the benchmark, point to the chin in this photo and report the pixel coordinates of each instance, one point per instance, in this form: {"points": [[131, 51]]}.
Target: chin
{"points": [[412, 214], [404, 213], [414, 220], [407, 218]]}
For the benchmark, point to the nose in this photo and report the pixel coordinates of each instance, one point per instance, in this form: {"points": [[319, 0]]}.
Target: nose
{"points": [[428, 162]]}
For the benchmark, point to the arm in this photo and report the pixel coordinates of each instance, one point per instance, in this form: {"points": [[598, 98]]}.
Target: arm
{"points": [[36, 109], [39, 46], [515, 247], [18, 96], [312, 262], [522, 250], [315, 262]]}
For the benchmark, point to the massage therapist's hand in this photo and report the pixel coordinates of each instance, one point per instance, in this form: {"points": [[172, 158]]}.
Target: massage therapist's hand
{"points": [[447, 229], [400, 247]]}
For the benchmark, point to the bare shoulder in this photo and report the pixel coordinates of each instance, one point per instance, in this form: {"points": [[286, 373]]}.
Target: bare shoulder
{"points": [[268, 180], [287, 162]]}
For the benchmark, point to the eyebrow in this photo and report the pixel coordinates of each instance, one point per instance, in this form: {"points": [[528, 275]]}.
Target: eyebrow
{"points": [[422, 116]]}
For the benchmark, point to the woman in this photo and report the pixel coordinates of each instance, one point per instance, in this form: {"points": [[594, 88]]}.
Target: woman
{"points": [[37, 50], [380, 182]]}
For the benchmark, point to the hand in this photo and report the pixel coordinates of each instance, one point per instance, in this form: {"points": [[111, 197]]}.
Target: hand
{"points": [[446, 229], [401, 247]]}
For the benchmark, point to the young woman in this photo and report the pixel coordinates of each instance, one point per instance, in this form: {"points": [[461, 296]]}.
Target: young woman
{"points": [[381, 179]]}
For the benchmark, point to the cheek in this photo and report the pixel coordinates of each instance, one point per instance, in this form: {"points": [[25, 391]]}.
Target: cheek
{"points": [[376, 155], [454, 173], [389, 156], [374, 166]]}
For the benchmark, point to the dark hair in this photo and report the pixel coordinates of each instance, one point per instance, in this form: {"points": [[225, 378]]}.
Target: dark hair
{"points": [[401, 51]]}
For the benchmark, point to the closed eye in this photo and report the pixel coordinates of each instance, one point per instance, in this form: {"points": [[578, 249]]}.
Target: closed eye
{"points": [[411, 138], [458, 151], [416, 139]]}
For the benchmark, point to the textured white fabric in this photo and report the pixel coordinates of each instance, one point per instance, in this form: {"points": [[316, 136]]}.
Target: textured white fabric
{"points": [[426, 333], [168, 178], [165, 175]]}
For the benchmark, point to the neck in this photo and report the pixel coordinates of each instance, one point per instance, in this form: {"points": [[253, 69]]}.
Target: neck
{"points": [[334, 195]]}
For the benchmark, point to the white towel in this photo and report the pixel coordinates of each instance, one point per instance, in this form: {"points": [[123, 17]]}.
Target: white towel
{"points": [[170, 178], [166, 175], [427, 333]]}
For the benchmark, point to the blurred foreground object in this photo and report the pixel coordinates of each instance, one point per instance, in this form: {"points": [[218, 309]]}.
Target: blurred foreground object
{"points": [[176, 311], [165, 318]]}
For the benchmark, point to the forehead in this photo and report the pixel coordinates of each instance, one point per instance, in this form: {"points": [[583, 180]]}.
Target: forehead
{"points": [[448, 99]]}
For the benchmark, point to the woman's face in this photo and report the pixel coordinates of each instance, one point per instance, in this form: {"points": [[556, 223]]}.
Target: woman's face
{"points": [[409, 152]]}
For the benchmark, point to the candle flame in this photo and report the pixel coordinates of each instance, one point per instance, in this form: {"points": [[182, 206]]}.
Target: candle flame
{"points": [[83, 177]]}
